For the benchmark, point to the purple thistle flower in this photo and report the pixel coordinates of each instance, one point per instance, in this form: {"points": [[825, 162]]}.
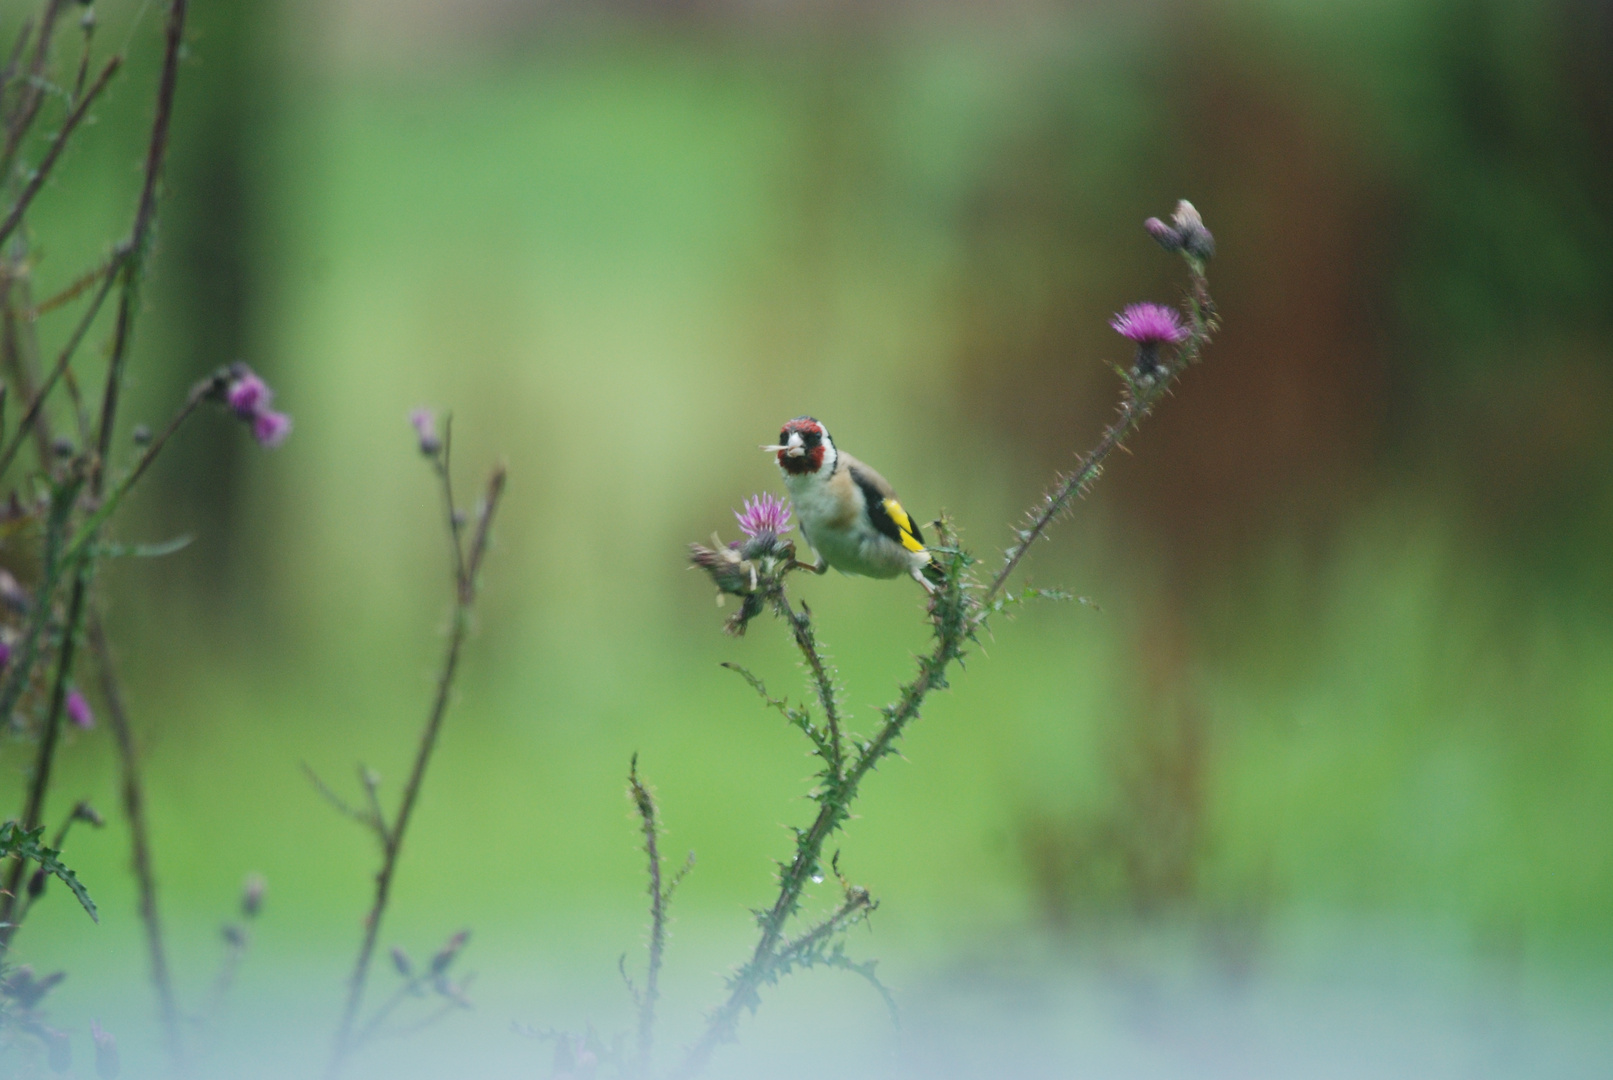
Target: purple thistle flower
{"points": [[248, 395], [425, 426], [78, 710], [270, 428], [1150, 324], [762, 514], [5, 654]]}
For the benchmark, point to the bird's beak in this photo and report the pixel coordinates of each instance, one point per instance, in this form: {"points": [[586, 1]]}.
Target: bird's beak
{"points": [[793, 450]]}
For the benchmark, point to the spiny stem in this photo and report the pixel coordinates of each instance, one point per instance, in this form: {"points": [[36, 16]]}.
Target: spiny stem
{"points": [[1138, 403], [822, 679], [22, 118], [644, 803], [392, 843], [39, 784], [31, 414], [951, 632], [145, 217]]}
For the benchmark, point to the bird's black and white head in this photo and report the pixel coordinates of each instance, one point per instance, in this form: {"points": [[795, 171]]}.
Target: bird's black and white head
{"points": [[804, 448]]}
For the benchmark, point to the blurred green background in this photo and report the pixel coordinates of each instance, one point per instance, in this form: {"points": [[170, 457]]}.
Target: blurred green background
{"points": [[1347, 693]]}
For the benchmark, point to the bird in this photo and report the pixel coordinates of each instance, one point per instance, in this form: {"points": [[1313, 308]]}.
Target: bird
{"points": [[847, 511]]}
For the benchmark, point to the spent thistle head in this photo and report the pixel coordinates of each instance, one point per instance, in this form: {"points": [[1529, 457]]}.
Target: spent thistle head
{"points": [[1185, 233]]}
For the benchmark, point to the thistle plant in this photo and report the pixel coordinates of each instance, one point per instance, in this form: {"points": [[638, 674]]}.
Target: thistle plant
{"points": [[62, 489], [1168, 340], [469, 538]]}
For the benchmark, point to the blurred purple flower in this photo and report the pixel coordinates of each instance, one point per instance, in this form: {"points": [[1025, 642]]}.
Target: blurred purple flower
{"points": [[271, 428], [425, 426], [5, 654], [248, 395], [762, 514], [1150, 324], [78, 710]]}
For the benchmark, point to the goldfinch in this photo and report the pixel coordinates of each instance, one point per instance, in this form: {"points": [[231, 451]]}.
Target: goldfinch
{"points": [[848, 513]]}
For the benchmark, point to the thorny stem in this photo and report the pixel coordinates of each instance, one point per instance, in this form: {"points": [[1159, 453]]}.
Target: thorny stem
{"points": [[145, 216], [644, 803], [952, 629], [31, 414], [857, 902], [1139, 401], [392, 839], [822, 678], [134, 808], [45, 756], [33, 95]]}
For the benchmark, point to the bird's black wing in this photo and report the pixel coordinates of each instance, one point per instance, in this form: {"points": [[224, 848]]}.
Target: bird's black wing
{"points": [[887, 514]]}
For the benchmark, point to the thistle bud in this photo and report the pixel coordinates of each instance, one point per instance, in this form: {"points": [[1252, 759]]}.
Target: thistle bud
{"points": [[252, 895], [425, 428], [1164, 234], [446, 954], [401, 961], [87, 813], [1195, 239]]}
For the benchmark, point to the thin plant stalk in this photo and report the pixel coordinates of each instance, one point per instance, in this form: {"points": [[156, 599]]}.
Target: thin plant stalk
{"points": [[41, 172], [134, 809], [644, 804], [1140, 399], [465, 567]]}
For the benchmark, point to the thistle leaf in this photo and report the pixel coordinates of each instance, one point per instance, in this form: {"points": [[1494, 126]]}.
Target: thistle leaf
{"points": [[29, 845]]}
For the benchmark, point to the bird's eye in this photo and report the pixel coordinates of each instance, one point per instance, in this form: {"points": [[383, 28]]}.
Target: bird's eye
{"points": [[784, 436]]}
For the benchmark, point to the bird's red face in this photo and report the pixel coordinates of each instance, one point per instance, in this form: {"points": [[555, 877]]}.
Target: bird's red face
{"points": [[802, 447]]}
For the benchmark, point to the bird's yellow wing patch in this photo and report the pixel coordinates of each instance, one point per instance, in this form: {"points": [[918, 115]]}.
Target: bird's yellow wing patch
{"points": [[904, 524]]}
